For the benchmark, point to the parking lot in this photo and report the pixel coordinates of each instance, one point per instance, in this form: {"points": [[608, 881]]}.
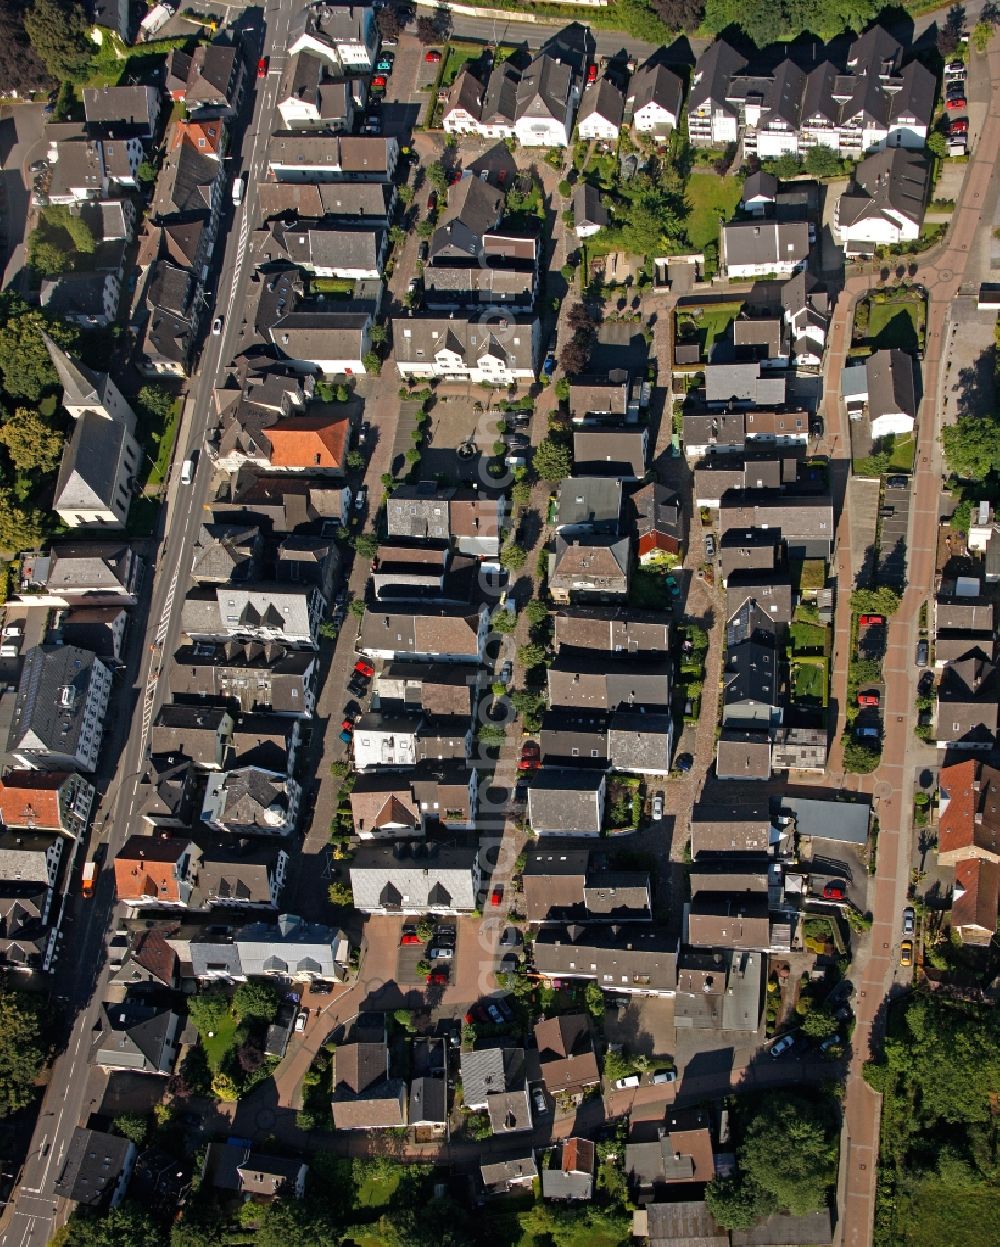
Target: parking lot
{"points": [[894, 517]]}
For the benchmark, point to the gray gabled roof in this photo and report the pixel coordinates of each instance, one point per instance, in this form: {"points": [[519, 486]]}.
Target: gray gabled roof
{"points": [[92, 1167], [565, 801], [602, 99], [891, 181], [655, 84]]}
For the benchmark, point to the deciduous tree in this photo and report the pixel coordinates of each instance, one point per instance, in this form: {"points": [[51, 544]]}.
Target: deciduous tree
{"points": [[256, 1000], [552, 460], [21, 1050], [59, 34], [31, 441]]}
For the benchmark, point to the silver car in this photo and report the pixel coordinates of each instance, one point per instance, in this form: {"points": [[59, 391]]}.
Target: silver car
{"points": [[909, 920]]}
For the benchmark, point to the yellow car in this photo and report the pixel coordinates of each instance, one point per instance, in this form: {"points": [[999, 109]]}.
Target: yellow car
{"points": [[906, 953]]}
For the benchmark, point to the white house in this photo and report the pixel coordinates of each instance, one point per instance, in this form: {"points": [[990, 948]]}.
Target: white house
{"points": [[764, 248], [884, 388], [344, 34], [655, 96], [806, 308], [495, 349], [334, 343], [601, 109], [884, 205], [385, 740]]}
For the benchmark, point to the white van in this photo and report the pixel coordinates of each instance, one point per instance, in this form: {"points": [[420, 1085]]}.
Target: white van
{"points": [[238, 182], [187, 471]]}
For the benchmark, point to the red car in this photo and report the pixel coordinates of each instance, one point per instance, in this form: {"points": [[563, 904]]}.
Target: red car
{"points": [[347, 725], [411, 939], [455, 177], [438, 978], [957, 101], [530, 756], [959, 126], [432, 200], [870, 621], [262, 67], [379, 82], [432, 57], [591, 73], [364, 668], [496, 896], [868, 699], [834, 892]]}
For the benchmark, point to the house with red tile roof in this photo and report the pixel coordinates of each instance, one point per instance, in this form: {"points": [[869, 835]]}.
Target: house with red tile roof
{"points": [[975, 901], [314, 443], [156, 870], [969, 825], [46, 801]]}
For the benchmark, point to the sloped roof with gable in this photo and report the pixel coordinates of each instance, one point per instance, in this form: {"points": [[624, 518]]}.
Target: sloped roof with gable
{"points": [[146, 868], [311, 441], [32, 798]]}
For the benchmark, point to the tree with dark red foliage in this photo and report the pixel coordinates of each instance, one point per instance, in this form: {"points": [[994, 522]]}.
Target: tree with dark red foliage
{"points": [[575, 355], [950, 34], [580, 320], [683, 15], [250, 1057], [389, 26], [434, 29]]}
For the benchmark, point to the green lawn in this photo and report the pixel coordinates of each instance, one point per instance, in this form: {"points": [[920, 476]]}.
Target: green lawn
{"points": [[810, 682], [165, 447], [901, 459], [807, 636], [709, 197], [376, 1189], [896, 323], [933, 1214], [709, 321], [218, 1044]]}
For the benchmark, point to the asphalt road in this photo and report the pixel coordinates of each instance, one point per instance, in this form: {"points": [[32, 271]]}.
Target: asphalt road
{"points": [[36, 1212]]}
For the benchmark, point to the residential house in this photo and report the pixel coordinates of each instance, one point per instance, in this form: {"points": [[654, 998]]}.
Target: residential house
{"points": [[288, 949], [749, 551], [346, 36], [589, 213], [227, 553], [655, 96], [759, 194], [609, 399], [209, 80], [156, 870], [750, 591], [589, 568], [200, 733], [206, 134], [588, 505], [165, 797], [448, 634], [501, 1176], [677, 1148], [884, 204], [168, 334], [717, 828], [840, 821], [883, 389], [100, 629], [788, 1230], [560, 886], [743, 753], [600, 114], [800, 749], [566, 803], [743, 386], [764, 248], [236, 1167], [621, 453], [313, 96], [968, 705], [570, 739], [725, 920], [383, 806], [761, 339], [804, 522], [428, 1108], [687, 1221], [975, 900], [29, 870], [719, 990], [963, 626], [59, 712], [415, 878], [713, 121], [121, 112], [969, 822], [372, 202], [236, 879], [251, 801], [659, 525], [437, 689], [750, 673], [572, 1179], [100, 461], [640, 743], [624, 960], [34, 800], [364, 1095], [136, 1035], [77, 166], [590, 682], [285, 504], [463, 517], [259, 612], [300, 156], [87, 299], [326, 249], [142, 959], [566, 1053], [500, 352], [610, 630], [806, 309], [95, 1171]]}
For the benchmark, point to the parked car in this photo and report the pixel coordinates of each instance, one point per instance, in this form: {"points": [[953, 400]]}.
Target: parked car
{"points": [[438, 978], [364, 668], [320, 988], [217, 325], [300, 1020], [960, 126], [591, 74], [38, 166], [538, 1100], [834, 1041], [384, 65], [709, 546], [496, 896], [897, 482], [379, 84], [834, 891], [510, 938], [360, 498], [345, 737], [909, 919], [870, 698], [432, 57], [432, 201], [495, 1016], [531, 755], [662, 1076], [684, 762], [549, 367], [785, 1044], [441, 953], [956, 101], [657, 807], [870, 621], [357, 687], [906, 953], [630, 1080], [866, 732], [262, 67], [922, 653]]}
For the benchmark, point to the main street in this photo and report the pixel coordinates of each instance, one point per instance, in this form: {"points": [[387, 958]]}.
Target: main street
{"points": [[35, 1212]]}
